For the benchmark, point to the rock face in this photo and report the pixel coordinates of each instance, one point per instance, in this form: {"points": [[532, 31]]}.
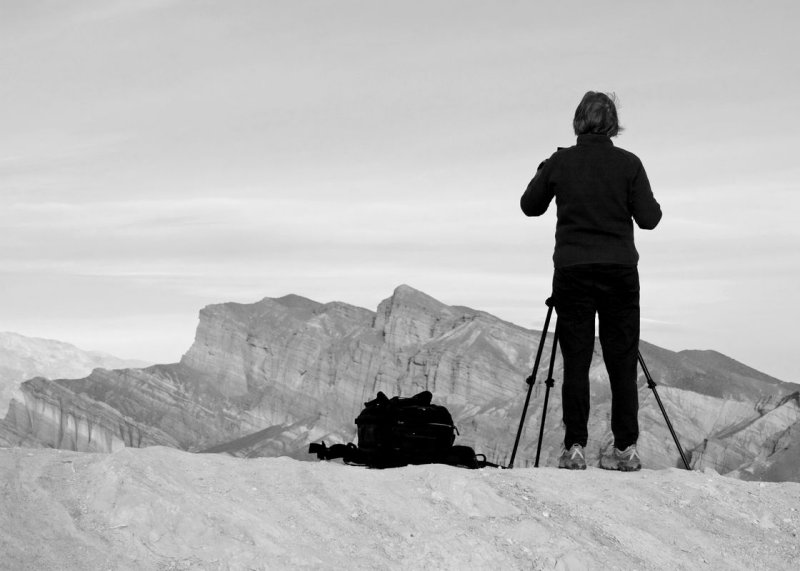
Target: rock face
{"points": [[742, 449], [267, 378], [24, 357], [63, 418]]}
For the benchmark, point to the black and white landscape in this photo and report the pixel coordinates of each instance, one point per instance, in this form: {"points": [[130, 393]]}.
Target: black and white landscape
{"points": [[263, 380], [160, 157], [268, 378]]}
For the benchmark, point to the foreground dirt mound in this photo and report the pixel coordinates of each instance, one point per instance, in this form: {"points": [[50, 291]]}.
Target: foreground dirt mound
{"points": [[159, 508]]}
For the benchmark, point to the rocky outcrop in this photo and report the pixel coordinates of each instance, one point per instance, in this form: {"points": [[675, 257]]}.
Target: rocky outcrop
{"points": [[24, 357], [62, 418], [753, 445], [270, 377]]}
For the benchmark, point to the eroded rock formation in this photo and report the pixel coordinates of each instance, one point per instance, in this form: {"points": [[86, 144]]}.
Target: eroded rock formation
{"points": [[24, 357], [270, 377]]}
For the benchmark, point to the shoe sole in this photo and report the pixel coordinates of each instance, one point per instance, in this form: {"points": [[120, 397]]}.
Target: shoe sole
{"points": [[621, 468], [574, 467], [629, 468]]}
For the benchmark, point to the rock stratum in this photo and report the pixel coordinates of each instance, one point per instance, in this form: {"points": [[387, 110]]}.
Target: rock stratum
{"points": [[24, 357], [268, 378]]}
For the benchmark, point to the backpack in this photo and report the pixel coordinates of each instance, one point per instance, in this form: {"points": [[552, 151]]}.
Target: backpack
{"points": [[398, 431]]}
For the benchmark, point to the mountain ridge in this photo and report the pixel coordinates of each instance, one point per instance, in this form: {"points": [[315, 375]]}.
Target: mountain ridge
{"points": [[300, 370], [23, 357]]}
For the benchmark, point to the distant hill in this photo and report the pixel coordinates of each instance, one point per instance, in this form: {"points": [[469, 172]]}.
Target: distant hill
{"points": [[24, 357], [715, 374], [267, 378]]}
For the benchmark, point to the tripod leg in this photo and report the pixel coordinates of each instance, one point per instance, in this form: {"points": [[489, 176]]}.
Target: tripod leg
{"points": [[651, 383], [549, 382], [532, 379]]}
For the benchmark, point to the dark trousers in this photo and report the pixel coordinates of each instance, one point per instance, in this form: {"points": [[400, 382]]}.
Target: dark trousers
{"points": [[612, 292]]}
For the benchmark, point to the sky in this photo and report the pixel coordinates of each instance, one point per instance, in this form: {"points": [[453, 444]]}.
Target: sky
{"points": [[159, 156]]}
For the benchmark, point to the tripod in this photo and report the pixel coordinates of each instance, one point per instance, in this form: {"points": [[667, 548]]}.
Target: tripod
{"points": [[531, 380]]}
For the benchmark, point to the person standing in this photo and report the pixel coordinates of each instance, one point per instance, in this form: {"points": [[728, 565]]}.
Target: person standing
{"points": [[599, 190]]}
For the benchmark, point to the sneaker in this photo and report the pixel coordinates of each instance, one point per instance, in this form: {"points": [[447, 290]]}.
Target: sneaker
{"points": [[625, 460], [573, 458]]}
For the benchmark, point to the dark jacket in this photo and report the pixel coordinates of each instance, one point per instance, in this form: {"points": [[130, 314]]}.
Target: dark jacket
{"points": [[599, 189]]}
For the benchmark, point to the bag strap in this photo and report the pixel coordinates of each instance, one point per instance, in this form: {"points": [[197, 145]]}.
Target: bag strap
{"points": [[462, 456], [343, 451], [423, 398], [379, 400]]}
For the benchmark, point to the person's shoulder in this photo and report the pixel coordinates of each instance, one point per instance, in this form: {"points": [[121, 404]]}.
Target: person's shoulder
{"points": [[560, 153], [553, 160], [627, 155]]}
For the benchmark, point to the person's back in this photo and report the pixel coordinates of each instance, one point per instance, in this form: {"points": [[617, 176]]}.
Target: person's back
{"points": [[599, 191]]}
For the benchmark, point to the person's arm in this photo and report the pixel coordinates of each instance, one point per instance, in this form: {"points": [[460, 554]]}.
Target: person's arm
{"points": [[644, 208], [537, 196]]}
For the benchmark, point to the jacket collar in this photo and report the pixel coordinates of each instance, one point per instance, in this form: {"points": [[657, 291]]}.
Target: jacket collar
{"points": [[594, 139]]}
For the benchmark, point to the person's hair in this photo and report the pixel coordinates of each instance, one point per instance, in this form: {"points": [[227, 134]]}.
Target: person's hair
{"points": [[597, 114]]}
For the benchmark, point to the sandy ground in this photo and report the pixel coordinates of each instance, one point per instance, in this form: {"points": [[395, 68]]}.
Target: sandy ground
{"points": [[159, 508]]}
